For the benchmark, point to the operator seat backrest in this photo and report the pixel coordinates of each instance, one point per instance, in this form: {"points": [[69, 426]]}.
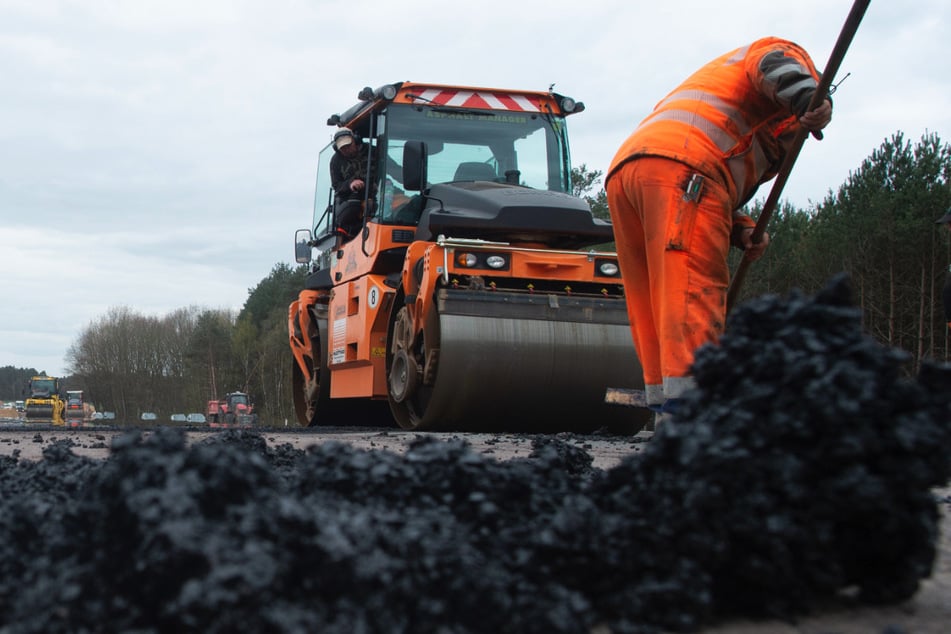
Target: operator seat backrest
{"points": [[475, 171]]}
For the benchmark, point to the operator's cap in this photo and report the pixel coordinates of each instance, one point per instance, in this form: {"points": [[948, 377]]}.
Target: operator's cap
{"points": [[343, 137], [946, 218]]}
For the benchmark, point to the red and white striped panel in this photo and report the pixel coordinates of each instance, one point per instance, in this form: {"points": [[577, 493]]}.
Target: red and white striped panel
{"points": [[482, 99]]}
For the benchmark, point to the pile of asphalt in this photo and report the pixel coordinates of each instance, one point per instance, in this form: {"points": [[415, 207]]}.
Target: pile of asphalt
{"points": [[800, 471]]}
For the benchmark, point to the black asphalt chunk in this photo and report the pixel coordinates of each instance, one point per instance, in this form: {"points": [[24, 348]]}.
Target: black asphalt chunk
{"points": [[801, 470]]}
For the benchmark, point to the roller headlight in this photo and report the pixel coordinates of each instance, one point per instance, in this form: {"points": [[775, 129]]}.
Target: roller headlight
{"points": [[481, 260], [608, 268], [570, 106], [495, 262]]}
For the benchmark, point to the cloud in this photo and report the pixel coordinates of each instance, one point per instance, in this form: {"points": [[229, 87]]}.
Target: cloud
{"points": [[58, 282]]}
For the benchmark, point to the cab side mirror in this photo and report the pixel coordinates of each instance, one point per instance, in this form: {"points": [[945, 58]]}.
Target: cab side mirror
{"points": [[414, 166], [303, 241]]}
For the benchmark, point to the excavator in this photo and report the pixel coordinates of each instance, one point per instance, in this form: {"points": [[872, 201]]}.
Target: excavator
{"points": [[466, 291]]}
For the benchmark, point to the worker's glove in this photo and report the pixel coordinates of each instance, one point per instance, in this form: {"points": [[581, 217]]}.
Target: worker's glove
{"points": [[736, 236], [815, 120], [741, 237]]}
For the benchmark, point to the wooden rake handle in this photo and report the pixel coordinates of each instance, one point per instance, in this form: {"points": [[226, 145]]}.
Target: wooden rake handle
{"points": [[822, 90]]}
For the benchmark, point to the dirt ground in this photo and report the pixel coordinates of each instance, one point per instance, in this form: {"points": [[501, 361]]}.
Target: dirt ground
{"points": [[928, 612]]}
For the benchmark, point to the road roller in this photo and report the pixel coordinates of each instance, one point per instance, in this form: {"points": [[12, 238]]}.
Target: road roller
{"points": [[44, 402], [460, 284]]}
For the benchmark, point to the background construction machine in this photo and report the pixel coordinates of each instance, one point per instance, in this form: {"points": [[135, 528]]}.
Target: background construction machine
{"points": [[234, 410], [44, 402], [471, 297], [75, 408]]}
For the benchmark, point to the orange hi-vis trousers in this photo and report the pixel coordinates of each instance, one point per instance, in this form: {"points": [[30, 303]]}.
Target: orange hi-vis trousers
{"points": [[673, 258]]}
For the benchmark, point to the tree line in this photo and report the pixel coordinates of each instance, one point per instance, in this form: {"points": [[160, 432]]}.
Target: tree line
{"points": [[878, 227], [131, 363]]}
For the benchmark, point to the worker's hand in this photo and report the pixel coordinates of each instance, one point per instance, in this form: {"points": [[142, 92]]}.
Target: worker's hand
{"points": [[753, 251], [356, 185], [815, 120]]}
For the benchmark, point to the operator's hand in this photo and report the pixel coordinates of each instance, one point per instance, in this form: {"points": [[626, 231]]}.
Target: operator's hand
{"points": [[815, 120], [753, 251], [356, 185]]}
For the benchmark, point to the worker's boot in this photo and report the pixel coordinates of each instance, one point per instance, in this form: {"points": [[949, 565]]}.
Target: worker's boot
{"points": [[666, 412], [342, 238]]}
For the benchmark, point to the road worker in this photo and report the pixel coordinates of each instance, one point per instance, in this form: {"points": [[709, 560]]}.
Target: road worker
{"points": [[675, 189], [348, 176]]}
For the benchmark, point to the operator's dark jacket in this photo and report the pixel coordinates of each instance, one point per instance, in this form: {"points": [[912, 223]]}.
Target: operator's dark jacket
{"points": [[344, 171]]}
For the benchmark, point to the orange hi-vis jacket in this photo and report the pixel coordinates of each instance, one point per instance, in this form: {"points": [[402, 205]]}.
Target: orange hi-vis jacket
{"points": [[733, 119]]}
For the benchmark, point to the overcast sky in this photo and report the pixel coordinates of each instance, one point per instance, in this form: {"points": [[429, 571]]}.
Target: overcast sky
{"points": [[159, 154]]}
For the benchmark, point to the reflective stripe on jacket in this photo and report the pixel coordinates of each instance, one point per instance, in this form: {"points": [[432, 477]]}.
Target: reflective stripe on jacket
{"points": [[733, 119]]}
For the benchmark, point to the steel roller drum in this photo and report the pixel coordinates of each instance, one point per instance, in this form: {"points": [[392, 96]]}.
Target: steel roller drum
{"points": [[510, 373], [39, 411]]}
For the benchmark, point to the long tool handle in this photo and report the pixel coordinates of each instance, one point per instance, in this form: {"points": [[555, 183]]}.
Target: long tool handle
{"points": [[822, 91]]}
